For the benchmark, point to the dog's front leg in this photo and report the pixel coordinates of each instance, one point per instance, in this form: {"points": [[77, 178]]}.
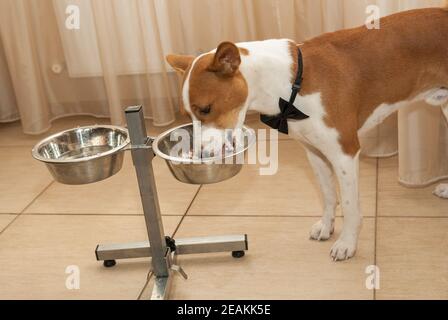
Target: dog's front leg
{"points": [[346, 168], [324, 228]]}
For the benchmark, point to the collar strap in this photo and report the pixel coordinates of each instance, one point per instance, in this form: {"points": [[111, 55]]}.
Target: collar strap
{"points": [[287, 109]]}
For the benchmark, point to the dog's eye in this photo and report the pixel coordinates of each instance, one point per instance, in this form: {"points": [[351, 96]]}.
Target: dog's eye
{"points": [[205, 110]]}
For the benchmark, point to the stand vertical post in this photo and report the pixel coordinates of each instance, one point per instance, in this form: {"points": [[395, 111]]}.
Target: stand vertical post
{"points": [[142, 156]]}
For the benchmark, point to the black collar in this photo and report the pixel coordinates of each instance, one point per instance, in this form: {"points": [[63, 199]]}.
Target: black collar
{"points": [[287, 109]]}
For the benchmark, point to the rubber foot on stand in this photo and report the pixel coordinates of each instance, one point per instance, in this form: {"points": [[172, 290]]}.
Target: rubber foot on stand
{"points": [[238, 254], [109, 263]]}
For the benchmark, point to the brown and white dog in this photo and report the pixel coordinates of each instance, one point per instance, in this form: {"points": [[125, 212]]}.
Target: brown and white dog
{"points": [[353, 80]]}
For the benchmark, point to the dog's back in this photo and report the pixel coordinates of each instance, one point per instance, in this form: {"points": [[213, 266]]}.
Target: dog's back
{"points": [[406, 57]]}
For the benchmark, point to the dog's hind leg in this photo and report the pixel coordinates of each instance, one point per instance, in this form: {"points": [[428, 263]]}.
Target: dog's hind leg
{"points": [[442, 190], [440, 98], [323, 229]]}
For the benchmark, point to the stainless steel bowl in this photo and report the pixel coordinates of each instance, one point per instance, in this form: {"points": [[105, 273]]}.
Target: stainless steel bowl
{"points": [[200, 171], [83, 155]]}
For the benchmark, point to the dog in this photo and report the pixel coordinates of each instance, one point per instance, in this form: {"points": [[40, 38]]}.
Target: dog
{"points": [[352, 80]]}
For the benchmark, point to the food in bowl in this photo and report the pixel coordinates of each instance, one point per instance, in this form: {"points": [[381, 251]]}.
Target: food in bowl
{"points": [[188, 165]]}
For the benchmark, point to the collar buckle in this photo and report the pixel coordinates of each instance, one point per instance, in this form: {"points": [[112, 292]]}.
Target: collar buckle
{"points": [[297, 86]]}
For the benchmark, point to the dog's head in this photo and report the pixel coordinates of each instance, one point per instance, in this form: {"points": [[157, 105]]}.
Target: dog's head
{"points": [[214, 92]]}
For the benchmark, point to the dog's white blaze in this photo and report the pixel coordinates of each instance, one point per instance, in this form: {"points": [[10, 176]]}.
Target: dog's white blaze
{"points": [[197, 126], [186, 89]]}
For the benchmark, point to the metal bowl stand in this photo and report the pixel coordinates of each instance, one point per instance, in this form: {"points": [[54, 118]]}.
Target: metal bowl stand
{"points": [[163, 250]]}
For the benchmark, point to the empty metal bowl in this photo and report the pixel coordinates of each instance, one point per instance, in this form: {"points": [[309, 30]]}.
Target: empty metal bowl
{"points": [[83, 155], [200, 171]]}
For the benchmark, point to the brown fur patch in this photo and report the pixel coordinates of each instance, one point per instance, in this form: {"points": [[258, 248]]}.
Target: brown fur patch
{"points": [[357, 70], [224, 94], [295, 56]]}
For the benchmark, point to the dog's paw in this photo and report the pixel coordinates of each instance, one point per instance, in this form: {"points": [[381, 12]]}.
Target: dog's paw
{"points": [[343, 249], [321, 231], [441, 191]]}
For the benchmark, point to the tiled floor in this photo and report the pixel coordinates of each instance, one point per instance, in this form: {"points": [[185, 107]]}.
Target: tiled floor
{"points": [[49, 230]]}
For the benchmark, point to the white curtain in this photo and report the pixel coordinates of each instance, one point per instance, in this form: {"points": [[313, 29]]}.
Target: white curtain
{"points": [[116, 59]]}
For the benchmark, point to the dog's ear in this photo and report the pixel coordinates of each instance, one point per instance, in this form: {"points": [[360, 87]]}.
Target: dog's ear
{"points": [[227, 59], [179, 63]]}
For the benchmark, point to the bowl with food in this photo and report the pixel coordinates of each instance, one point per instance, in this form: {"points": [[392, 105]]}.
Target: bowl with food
{"points": [[188, 164]]}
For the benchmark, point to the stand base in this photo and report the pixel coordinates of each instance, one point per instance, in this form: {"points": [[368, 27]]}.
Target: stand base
{"points": [[236, 244]]}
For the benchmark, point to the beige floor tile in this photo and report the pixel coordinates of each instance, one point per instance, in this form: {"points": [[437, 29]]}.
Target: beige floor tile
{"points": [[116, 195], [397, 200], [292, 191], [5, 219], [36, 250], [11, 134], [282, 263], [412, 255], [21, 179]]}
